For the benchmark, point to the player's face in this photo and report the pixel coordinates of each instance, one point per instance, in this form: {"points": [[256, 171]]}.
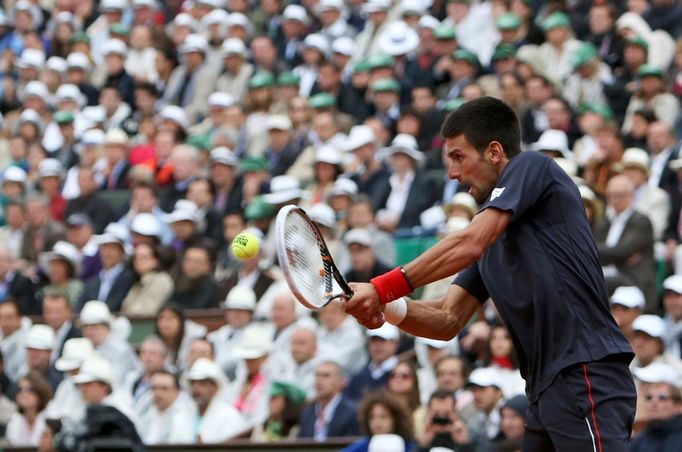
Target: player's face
{"points": [[469, 167]]}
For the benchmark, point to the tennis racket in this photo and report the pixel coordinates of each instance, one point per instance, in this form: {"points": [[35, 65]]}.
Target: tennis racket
{"points": [[304, 258]]}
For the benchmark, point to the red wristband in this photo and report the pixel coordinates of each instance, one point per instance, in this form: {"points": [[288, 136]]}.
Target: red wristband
{"points": [[392, 285]]}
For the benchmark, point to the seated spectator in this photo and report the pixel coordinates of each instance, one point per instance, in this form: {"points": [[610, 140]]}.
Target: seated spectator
{"points": [[501, 356], [331, 414], [95, 321], [170, 419], [361, 216], [39, 343], [286, 402], [41, 233], [487, 385], [341, 337], [627, 303], [227, 264], [25, 428], [184, 222], [90, 201], [12, 343], [177, 333], [404, 385], [115, 279], [144, 198], [7, 410], [153, 285], [443, 428], [298, 365], [216, 421], [382, 344], [195, 287], [382, 413], [16, 286], [61, 265], [648, 345], [512, 423], [80, 233], [363, 261], [672, 303], [429, 352], [285, 320], [451, 375]]}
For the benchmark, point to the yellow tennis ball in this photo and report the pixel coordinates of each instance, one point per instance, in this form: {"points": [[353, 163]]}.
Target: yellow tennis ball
{"points": [[245, 245]]}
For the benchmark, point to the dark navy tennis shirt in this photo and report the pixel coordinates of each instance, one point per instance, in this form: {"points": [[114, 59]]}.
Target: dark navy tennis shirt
{"points": [[544, 275]]}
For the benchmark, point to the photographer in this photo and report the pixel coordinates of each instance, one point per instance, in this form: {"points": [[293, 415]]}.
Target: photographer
{"points": [[443, 428]]}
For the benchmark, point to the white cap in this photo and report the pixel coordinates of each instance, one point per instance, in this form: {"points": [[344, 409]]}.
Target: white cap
{"points": [[553, 140], [429, 22], [32, 116], [636, 157], [317, 41], [40, 337], [175, 114], [206, 369], [570, 167], [295, 12], [92, 137], [240, 297], [405, 144], [650, 324], [224, 156], [50, 167], [185, 20], [239, 20], [628, 296], [359, 136], [36, 88], [432, 218], [586, 193], [119, 5], [386, 331], [184, 210], [323, 214], [234, 46], [57, 64], [278, 122], [283, 189], [14, 174], [486, 376], [464, 199], [114, 236], [673, 283], [433, 343], [398, 39], [657, 373], [211, 3], [220, 100], [95, 368], [146, 224], [76, 350], [343, 187], [114, 47], [344, 45], [78, 60], [144, 3], [254, 343], [328, 5], [455, 224], [359, 236], [328, 153], [69, 91], [95, 312], [386, 442], [373, 6], [61, 250], [412, 6], [116, 136], [215, 17], [194, 43], [31, 58], [95, 114]]}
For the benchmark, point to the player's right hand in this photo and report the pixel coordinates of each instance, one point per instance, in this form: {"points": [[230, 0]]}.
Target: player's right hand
{"points": [[365, 305]]}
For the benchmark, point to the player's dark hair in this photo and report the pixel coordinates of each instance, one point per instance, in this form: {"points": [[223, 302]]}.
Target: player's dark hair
{"points": [[482, 121]]}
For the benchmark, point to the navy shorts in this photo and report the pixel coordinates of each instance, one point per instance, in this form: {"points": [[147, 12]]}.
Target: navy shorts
{"points": [[588, 407]]}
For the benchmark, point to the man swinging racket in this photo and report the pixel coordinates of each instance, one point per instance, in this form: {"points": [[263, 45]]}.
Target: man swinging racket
{"points": [[531, 250]]}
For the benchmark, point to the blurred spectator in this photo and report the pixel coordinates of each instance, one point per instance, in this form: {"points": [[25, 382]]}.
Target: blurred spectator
{"points": [[382, 344], [171, 417], [361, 216], [648, 344], [512, 423], [90, 201], [341, 337], [12, 232], [62, 267], [39, 343], [672, 304], [41, 232], [152, 284], [13, 335], [58, 315], [487, 387], [331, 414], [501, 356], [363, 261], [15, 286], [451, 375], [286, 402], [300, 363], [652, 94], [26, 427], [195, 287], [403, 383], [627, 303], [177, 333]]}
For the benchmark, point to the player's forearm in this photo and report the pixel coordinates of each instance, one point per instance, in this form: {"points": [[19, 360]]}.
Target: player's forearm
{"points": [[430, 319]]}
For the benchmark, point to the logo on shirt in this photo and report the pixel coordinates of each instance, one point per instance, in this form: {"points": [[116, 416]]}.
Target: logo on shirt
{"points": [[497, 192]]}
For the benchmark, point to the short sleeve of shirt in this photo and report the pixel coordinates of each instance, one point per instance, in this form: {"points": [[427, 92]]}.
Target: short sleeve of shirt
{"points": [[470, 280], [521, 185]]}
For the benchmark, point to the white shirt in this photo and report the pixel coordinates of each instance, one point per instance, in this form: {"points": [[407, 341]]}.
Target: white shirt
{"points": [[400, 189], [67, 403], [345, 345], [60, 335], [20, 434], [618, 222], [658, 163], [219, 423], [172, 426], [385, 367]]}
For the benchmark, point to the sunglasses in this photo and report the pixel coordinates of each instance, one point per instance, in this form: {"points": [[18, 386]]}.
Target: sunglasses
{"points": [[660, 398], [26, 389], [400, 375]]}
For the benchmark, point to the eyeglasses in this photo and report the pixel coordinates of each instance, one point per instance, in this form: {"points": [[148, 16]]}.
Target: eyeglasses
{"points": [[400, 375], [659, 398]]}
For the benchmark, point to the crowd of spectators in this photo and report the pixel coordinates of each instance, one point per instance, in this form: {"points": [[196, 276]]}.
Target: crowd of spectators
{"points": [[139, 137]]}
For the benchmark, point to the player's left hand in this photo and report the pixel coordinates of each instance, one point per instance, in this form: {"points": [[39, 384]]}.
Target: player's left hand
{"points": [[365, 305]]}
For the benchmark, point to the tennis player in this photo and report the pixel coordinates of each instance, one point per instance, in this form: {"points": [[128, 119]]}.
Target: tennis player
{"points": [[531, 250]]}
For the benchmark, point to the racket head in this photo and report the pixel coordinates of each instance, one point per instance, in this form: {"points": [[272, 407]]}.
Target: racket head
{"points": [[304, 258]]}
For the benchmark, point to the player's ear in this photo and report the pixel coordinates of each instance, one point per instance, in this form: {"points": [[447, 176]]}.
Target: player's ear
{"points": [[495, 152]]}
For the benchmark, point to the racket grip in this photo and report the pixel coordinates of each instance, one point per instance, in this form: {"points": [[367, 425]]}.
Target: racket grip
{"points": [[392, 285]]}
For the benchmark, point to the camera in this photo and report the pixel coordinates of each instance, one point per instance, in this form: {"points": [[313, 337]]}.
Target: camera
{"points": [[440, 420]]}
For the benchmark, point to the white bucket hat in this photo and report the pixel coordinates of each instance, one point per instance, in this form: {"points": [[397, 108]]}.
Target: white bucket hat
{"points": [[553, 140], [405, 144], [61, 250], [95, 368], [95, 312], [40, 337], [240, 297], [254, 343], [398, 39], [146, 224], [323, 214], [76, 350], [284, 189], [206, 369], [184, 210]]}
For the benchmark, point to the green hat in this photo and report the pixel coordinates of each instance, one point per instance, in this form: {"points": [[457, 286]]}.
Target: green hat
{"points": [[503, 51], [463, 54], [453, 104], [252, 163], [259, 209], [288, 78], [585, 53], [63, 117], [649, 70], [261, 79], [202, 142], [637, 41], [380, 61], [322, 100], [118, 29], [288, 390], [508, 21], [602, 110], [79, 36], [362, 66], [555, 20], [445, 32], [386, 84]]}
